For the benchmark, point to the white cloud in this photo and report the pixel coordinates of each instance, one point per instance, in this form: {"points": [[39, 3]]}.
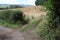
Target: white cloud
{"points": [[9, 2], [30, 2]]}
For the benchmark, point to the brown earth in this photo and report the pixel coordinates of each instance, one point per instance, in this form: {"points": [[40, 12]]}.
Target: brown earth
{"points": [[17, 35]]}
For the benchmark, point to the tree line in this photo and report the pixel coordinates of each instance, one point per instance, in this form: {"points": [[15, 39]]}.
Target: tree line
{"points": [[53, 14]]}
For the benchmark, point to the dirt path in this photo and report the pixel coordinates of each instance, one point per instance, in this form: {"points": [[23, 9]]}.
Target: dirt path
{"points": [[17, 35], [5, 36]]}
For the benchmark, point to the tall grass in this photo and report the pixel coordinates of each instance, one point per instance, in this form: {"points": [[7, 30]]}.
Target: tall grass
{"points": [[32, 24]]}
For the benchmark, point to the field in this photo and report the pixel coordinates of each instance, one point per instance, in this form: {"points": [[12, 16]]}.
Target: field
{"points": [[34, 11], [34, 15], [31, 12]]}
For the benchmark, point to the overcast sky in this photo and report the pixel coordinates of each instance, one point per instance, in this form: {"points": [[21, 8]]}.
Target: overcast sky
{"points": [[28, 2]]}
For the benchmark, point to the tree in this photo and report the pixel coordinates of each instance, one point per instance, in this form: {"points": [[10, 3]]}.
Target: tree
{"points": [[40, 2], [54, 18], [15, 6], [56, 13]]}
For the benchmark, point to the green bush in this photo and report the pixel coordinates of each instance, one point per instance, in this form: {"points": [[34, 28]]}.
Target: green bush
{"points": [[47, 30], [41, 2], [13, 16]]}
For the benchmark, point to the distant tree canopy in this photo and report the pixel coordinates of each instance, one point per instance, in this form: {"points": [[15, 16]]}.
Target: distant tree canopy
{"points": [[15, 6], [40, 2], [11, 6]]}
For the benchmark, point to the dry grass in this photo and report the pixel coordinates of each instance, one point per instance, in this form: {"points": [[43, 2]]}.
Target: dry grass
{"points": [[32, 11]]}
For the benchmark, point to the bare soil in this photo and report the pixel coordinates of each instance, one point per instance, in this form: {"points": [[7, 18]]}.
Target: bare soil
{"points": [[28, 35]]}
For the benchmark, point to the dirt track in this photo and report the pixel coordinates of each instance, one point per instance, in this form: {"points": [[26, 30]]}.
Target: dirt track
{"points": [[16, 36], [5, 36]]}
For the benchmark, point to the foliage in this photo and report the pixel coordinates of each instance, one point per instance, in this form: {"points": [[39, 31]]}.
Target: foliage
{"points": [[33, 24], [12, 16], [10, 25], [15, 6], [40, 2], [50, 31]]}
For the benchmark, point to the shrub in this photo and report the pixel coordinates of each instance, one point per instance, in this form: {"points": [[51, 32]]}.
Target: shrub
{"points": [[12, 16], [48, 29], [41, 2]]}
